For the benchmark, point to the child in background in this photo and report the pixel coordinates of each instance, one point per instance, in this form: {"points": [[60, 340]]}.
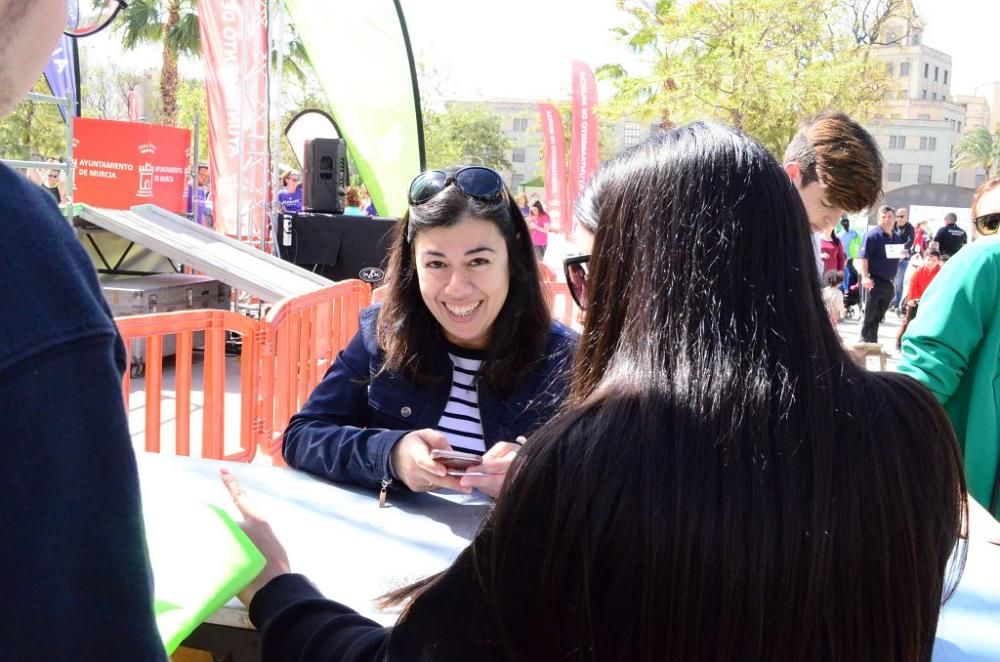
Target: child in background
{"points": [[833, 296], [922, 277]]}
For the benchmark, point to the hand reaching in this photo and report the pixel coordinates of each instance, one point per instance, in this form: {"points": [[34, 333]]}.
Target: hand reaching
{"points": [[260, 533]]}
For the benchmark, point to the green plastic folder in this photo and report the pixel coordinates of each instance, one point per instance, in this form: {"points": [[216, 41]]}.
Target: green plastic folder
{"points": [[200, 560]]}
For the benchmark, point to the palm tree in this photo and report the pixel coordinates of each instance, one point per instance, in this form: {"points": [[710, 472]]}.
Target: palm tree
{"points": [[174, 23], [978, 149]]}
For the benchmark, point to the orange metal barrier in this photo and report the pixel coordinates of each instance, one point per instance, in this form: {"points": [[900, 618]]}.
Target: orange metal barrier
{"points": [[182, 326], [282, 359], [561, 304], [303, 337]]}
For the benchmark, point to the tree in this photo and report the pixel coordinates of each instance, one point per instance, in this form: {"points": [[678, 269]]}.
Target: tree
{"points": [[173, 23], [759, 65], [192, 100], [462, 132], [978, 149], [104, 91], [34, 130]]}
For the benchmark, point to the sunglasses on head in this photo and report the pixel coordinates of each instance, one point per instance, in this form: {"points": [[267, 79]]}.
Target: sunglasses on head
{"points": [[476, 182], [988, 223], [575, 268]]}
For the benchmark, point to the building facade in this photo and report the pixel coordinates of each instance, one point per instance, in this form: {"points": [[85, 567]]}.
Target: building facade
{"points": [[521, 122], [922, 122]]}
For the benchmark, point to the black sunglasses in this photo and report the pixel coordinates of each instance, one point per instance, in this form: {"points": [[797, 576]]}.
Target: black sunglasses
{"points": [[575, 269], [988, 224], [475, 181], [93, 17]]}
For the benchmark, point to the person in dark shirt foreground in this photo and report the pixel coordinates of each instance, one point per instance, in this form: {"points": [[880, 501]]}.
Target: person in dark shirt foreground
{"points": [[700, 498], [77, 583]]}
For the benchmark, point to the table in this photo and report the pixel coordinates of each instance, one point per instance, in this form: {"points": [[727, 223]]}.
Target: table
{"points": [[354, 551], [336, 535]]}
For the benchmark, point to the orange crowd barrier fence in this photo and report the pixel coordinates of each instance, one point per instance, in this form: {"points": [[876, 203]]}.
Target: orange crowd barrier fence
{"points": [[184, 334], [281, 359], [302, 338]]}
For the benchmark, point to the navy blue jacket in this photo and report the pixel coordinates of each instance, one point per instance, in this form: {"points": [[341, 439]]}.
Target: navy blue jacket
{"points": [[348, 427], [76, 580]]}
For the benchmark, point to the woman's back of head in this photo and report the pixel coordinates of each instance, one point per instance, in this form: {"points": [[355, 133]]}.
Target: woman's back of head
{"points": [[727, 485]]}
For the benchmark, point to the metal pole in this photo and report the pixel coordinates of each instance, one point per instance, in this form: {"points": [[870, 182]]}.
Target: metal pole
{"points": [[70, 114], [195, 198], [276, 29]]}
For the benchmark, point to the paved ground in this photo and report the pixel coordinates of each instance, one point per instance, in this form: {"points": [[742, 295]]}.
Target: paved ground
{"points": [[850, 331]]}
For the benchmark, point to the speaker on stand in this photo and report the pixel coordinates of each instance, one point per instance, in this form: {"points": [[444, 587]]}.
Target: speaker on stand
{"points": [[324, 175]]}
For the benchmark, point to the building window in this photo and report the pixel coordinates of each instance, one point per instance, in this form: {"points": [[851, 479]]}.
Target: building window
{"points": [[923, 142], [924, 95], [937, 72], [901, 142], [892, 142], [953, 178], [927, 70], [923, 117], [959, 125], [890, 68], [895, 172], [924, 174], [915, 38], [520, 124], [518, 156], [632, 133], [932, 144], [515, 180], [933, 96], [904, 70], [945, 76], [952, 123]]}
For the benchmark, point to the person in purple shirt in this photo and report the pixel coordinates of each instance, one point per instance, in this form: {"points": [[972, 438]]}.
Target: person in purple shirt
{"points": [[197, 203], [290, 196]]}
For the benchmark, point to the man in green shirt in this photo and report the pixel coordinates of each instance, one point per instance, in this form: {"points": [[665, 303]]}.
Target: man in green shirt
{"points": [[953, 347]]}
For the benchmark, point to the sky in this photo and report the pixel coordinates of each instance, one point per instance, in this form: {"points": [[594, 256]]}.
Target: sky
{"points": [[522, 49]]}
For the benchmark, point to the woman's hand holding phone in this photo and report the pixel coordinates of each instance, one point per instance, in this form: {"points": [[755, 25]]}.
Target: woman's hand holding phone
{"points": [[496, 462], [413, 464]]}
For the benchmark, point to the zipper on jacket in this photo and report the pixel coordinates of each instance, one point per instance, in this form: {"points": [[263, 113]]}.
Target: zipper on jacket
{"points": [[386, 482]]}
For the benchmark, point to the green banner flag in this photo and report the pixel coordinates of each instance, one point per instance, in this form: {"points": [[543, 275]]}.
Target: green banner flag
{"points": [[361, 53]]}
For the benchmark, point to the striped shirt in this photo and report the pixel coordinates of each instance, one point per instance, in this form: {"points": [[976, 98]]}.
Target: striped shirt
{"points": [[460, 422]]}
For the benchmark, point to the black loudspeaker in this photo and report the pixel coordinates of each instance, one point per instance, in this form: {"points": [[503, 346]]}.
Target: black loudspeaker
{"points": [[335, 246], [324, 175]]}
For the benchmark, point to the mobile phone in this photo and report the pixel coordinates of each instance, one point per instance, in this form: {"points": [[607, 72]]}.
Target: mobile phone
{"points": [[456, 459]]}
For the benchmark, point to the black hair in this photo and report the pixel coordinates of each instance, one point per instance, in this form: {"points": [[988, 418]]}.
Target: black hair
{"points": [[833, 278], [716, 489], [407, 331]]}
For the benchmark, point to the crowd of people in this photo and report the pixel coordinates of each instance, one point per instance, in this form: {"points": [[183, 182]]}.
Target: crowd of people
{"points": [[678, 481], [357, 201]]}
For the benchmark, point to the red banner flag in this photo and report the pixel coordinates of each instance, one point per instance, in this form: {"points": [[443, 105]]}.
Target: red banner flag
{"points": [[133, 106], [236, 87], [584, 159], [554, 146], [122, 164]]}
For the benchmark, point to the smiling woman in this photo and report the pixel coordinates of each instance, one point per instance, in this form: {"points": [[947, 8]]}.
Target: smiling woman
{"points": [[462, 355]]}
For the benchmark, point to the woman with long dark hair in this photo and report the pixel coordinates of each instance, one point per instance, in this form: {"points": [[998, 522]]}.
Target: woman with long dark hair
{"points": [[702, 497], [462, 355]]}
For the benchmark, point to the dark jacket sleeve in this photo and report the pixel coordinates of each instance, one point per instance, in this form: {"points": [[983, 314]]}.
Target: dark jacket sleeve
{"points": [[77, 583], [297, 624], [330, 437]]}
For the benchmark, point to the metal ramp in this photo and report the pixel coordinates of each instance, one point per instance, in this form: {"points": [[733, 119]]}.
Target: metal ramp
{"points": [[224, 258]]}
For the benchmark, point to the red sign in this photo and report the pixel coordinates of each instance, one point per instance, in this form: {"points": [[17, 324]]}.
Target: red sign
{"points": [[122, 164], [236, 90], [133, 105], [583, 142], [555, 167]]}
